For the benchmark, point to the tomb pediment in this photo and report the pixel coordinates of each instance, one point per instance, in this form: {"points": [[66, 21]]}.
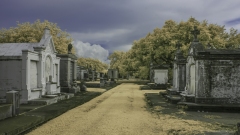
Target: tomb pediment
{"points": [[47, 45], [50, 47], [47, 42]]}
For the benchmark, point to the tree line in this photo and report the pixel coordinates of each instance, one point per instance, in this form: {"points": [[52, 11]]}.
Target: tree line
{"points": [[159, 46], [32, 33]]}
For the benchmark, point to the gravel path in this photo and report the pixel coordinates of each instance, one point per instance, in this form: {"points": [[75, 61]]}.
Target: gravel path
{"points": [[119, 111]]}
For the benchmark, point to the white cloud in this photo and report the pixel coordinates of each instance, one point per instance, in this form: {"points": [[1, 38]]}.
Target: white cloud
{"points": [[91, 51], [144, 16]]}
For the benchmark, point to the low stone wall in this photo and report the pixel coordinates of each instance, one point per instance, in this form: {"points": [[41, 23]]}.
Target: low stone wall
{"points": [[5, 111], [212, 100], [158, 86], [92, 85]]}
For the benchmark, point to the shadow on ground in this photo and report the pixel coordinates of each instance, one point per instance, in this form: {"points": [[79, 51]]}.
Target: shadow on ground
{"points": [[32, 116], [225, 121]]}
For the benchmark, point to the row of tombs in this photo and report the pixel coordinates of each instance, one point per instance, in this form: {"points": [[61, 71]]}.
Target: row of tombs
{"points": [[205, 76], [35, 70]]}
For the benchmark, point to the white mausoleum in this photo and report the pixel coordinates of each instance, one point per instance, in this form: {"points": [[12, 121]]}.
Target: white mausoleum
{"points": [[30, 68]]}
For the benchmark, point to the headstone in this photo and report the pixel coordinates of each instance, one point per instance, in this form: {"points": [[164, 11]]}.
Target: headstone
{"points": [[68, 71], [212, 75], [26, 67]]}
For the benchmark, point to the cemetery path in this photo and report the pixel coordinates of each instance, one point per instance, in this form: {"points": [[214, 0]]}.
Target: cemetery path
{"points": [[121, 110]]}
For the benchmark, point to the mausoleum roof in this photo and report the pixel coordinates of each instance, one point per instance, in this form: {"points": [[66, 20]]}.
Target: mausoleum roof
{"points": [[223, 51], [15, 49], [164, 66]]}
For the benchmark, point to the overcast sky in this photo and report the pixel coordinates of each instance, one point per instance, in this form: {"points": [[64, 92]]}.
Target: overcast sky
{"points": [[100, 27]]}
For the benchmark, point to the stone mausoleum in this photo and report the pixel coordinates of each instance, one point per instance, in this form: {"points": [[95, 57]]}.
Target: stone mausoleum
{"points": [[30, 68], [112, 73], [68, 71], [159, 74], [212, 75], [179, 71]]}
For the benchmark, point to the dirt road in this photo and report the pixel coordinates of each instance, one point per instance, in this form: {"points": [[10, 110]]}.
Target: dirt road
{"points": [[119, 111]]}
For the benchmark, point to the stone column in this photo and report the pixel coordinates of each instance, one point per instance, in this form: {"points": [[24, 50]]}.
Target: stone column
{"points": [[25, 77], [75, 70]]}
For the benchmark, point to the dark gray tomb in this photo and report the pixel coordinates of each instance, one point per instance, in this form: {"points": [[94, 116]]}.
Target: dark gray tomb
{"points": [[68, 72], [212, 75]]}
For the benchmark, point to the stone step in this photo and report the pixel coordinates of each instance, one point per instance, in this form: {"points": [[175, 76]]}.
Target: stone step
{"points": [[50, 99]]}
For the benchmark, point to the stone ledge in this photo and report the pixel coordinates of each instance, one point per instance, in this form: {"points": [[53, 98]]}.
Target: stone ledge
{"points": [[31, 119], [50, 99], [36, 89]]}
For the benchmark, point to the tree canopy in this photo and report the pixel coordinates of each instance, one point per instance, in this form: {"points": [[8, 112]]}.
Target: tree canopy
{"points": [[93, 63], [32, 33], [159, 46]]}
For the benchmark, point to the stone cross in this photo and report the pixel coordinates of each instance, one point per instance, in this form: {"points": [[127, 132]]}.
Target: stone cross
{"points": [[178, 45], [195, 32]]}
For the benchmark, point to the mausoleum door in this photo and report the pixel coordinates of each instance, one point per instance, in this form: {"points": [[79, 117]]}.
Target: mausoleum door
{"points": [[47, 68], [192, 79], [33, 74]]}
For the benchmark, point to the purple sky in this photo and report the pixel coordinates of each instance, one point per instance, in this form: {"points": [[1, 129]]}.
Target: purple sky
{"points": [[99, 27]]}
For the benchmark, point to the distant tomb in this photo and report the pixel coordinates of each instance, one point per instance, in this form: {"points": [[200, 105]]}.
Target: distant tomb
{"points": [[179, 75], [112, 73], [92, 75], [159, 76], [212, 75], [30, 68], [68, 72], [82, 73]]}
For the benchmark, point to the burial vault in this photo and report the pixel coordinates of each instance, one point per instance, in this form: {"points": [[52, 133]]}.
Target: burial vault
{"points": [[159, 74], [68, 71], [30, 68], [212, 75]]}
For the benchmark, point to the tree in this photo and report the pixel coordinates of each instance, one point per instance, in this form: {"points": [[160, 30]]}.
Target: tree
{"points": [[117, 58], [159, 46], [93, 63], [30, 33]]}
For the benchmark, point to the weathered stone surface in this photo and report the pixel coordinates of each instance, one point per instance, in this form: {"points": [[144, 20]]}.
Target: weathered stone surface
{"points": [[179, 70], [26, 67], [159, 74], [213, 75], [68, 72]]}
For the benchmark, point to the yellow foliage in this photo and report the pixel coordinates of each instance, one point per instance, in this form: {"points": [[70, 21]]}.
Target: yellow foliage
{"points": [[159, 46], [32, 33], [93, 64]]}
